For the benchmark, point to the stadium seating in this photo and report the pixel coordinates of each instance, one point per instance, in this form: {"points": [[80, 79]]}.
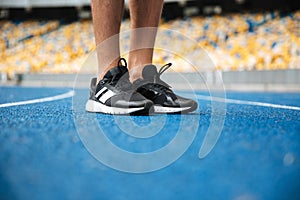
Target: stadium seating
{"points": [[249, 41]]}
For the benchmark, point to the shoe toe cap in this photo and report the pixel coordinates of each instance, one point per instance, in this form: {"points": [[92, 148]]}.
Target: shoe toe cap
{"points": [[189, 104]]}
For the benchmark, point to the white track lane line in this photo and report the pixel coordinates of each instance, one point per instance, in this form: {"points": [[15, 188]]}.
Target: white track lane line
{"points": [[41, 100], [252, 103]]}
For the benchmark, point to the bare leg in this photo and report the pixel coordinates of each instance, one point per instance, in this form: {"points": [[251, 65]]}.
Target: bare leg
{"points": [[143, 14], [107, 16]]}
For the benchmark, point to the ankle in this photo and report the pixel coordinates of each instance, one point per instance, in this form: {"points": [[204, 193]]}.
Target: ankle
{"points": [[135, 73], [102, 70]]}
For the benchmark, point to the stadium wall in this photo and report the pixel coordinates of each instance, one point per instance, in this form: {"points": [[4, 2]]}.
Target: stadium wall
{"points": [[261, 81]]}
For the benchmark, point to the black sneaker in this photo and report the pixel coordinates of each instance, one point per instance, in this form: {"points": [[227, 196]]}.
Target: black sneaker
{"points": [[114, 94], [159, 92]]}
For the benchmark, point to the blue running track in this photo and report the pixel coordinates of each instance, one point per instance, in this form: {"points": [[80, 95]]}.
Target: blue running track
{"points": [[256, 157]]}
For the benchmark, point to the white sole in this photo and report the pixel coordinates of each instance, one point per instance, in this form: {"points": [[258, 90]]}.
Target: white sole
{"points": [[97, 107], [161, 109]]}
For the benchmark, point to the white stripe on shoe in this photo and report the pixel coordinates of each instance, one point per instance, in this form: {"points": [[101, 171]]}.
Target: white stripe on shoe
{"points": [[104, 89], [107, 94]]}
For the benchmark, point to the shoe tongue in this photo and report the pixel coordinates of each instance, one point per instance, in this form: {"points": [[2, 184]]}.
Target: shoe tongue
{"points": [[149, 72], [117, 71]]}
